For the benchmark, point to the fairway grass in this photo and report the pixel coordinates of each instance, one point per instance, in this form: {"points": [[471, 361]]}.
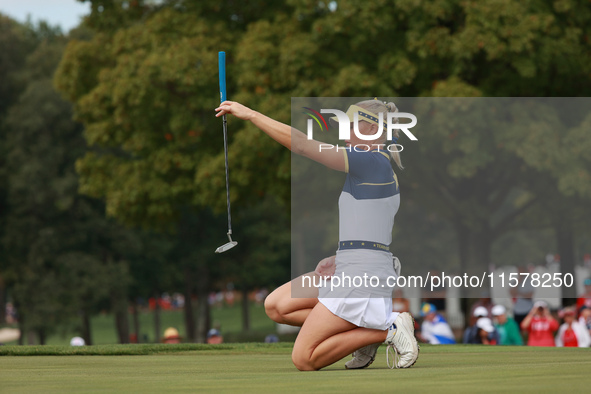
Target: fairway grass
{"points": [[267, 368]]}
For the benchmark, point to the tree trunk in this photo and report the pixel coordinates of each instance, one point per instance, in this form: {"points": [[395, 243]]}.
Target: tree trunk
{"points": [[203, 318], [21, 327], [136, 322], [2, 301], [86, 330], [203, 312], [42, 336], [475, 245], [157, 328], [565, 241], [189, 315], [206, 315], [121, 318], [245, 311], [30, 337]]}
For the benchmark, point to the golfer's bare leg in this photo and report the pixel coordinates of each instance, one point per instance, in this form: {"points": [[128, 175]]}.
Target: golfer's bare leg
{"points": [[281, 307], [325, 339]]}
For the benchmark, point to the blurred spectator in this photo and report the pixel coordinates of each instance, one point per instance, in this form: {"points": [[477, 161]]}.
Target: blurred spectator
{"points": [[10, 313], [399, 303], [219, 299], [479, 312], [211, 298], [166, 301], [435, 329], [540, 324], [509, 333], [171, 335], [553, 261], [229, 297], [585, 298], [484, 307], [522, 295], [471, 334], [486, 333], [214, 337], [260, 296], [572, 333], [585, 317], [163, 302], [271, 338], [77, 341], [178, 300]]}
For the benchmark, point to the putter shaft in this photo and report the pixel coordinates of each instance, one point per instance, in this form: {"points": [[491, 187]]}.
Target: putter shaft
{"points": [[225, 123]]}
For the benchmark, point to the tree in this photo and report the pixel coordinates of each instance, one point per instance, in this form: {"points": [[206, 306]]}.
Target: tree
{"points": [[65, 256], [560, 172], [146, 117], [16, 42], [263, 258], [144, 97], [141, 99]]}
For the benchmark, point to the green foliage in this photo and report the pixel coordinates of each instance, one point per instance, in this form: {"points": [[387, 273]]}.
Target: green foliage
{"points": [[63, 256], [155, 141], [16, 41], [146, 105], [146, 92], [145, 86]]}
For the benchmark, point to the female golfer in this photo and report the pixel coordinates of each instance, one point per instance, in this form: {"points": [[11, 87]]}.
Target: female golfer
{"points": [[337, 322]]}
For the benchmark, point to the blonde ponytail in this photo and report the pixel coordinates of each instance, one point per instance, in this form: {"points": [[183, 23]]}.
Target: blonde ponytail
{"points": [[396, 134]]}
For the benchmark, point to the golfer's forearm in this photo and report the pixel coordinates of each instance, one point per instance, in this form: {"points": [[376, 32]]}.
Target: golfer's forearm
{"points": [[280, 132], [284, 134], [298, 142]]}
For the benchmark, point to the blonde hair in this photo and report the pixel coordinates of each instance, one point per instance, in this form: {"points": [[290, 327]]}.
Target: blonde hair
{"points": [[376, 106]]}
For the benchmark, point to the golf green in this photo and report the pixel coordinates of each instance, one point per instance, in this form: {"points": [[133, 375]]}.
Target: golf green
{"points": [[268, 368]]}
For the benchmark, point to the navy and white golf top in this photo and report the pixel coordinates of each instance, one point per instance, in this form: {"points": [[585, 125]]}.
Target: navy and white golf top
{"points": [[370, 197]]}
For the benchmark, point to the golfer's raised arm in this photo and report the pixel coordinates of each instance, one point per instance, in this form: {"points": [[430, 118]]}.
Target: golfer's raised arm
{"points": [[291, 138]]}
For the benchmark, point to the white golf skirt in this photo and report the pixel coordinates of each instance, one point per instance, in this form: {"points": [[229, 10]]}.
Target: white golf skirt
{"points": [[360, 291]]}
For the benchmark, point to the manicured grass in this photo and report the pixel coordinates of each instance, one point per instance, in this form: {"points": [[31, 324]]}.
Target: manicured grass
{"points": [[263, 368], [139, 349]]}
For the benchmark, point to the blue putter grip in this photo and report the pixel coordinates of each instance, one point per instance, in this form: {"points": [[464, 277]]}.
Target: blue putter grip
{"points": [[222, 72]]}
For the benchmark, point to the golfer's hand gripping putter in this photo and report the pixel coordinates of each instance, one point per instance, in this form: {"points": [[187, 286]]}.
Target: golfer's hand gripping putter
{"points": [[222, 74]]}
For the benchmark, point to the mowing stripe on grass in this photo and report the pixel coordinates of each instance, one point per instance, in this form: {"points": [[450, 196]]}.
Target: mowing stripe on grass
{"points": [[260, 368]]}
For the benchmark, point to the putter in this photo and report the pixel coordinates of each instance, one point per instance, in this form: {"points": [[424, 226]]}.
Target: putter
{"points": [[222, 73]]}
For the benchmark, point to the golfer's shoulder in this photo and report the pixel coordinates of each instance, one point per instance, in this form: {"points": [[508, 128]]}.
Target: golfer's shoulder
{"points": [[373, 163]]}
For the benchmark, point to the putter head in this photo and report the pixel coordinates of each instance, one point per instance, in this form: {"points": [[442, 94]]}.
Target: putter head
{"points": [[227, 246]]}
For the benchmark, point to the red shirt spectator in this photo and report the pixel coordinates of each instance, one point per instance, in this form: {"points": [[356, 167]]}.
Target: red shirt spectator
{"points": [[541, 325], [570, 338], [541, 331], [572, 333]]}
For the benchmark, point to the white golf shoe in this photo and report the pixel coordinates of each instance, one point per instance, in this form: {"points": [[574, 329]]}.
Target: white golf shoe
{"points": [[362, 358], [401, 338]]}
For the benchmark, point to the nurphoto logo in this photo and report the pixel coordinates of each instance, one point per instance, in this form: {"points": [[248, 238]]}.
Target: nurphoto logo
{"points": [[353, 114]]}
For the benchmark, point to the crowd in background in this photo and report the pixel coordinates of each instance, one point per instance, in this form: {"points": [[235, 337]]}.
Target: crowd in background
{"points": [[530, 323], [527, 322]]}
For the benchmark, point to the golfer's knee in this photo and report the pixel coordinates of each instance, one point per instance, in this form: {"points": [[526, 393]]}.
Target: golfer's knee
{"points": [[302, 362], [272, 308]]}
